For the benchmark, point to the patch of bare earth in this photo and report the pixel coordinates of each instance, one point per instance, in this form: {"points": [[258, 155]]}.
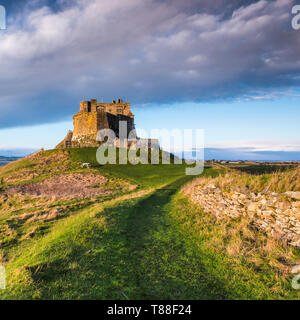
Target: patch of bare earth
{"points": [[65, 186]]}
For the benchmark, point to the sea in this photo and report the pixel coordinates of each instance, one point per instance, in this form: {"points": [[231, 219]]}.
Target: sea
{"points": [[6, 160]]}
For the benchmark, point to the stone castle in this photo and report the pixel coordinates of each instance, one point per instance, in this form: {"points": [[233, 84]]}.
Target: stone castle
{"points": [[94, 116]]}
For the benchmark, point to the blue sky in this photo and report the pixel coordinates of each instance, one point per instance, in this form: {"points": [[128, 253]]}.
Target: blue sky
{"points": [[262, 130], [232, 70]]}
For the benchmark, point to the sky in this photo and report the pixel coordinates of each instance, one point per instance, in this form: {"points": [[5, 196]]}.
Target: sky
{"points": [[231, 68]]}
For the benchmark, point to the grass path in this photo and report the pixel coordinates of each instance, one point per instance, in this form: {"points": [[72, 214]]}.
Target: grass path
{"points": [[127, 250], [157, 262]]}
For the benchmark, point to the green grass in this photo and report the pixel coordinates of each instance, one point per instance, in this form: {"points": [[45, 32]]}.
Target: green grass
{"points": [[17, 165], [145, 176], [84, 155], [244, 263], [158, 246], [89, 155], [263, 169], [155, 245]]}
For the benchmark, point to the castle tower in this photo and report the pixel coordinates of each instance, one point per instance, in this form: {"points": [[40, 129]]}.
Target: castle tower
{"points": [[94, 116]]}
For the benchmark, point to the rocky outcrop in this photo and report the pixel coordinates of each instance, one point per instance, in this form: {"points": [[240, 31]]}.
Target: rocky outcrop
{"points": [[276, 214]]}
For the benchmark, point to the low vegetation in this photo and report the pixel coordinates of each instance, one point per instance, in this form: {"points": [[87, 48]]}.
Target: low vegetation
{"points": [[142, 240], [280, 181], [245, 262]]}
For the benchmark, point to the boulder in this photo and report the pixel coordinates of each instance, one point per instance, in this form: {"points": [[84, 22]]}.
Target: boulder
{"points": [[293, 194], [252, 207]]}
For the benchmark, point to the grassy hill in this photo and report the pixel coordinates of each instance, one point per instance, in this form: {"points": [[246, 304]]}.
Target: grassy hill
{"points": [[133, 236]]}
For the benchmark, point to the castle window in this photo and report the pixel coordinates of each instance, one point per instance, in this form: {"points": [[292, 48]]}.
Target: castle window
{"points": [[119, 110]]}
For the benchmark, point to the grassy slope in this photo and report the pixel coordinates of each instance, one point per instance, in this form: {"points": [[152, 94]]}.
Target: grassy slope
{"points": [[155, 246], [256, 179], [146, 176]]}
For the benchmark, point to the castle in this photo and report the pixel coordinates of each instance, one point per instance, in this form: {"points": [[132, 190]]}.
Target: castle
{"points": [[94, 116]]}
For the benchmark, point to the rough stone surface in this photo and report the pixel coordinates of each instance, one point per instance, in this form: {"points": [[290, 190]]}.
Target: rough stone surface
{"points": [[293, 195], [268, 211]]}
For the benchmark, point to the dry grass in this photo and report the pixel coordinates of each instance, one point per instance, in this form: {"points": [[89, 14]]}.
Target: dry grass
{"points": [[35, 166], [233, 180], [239, 238], [242, 242]]}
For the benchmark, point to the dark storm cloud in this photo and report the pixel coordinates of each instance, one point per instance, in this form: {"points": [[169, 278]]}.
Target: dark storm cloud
{"points": [[147, 51]]}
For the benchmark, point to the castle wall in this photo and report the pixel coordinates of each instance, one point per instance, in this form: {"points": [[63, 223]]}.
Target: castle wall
{"points": [[85, 106], [114, 107], [113, 123], [85, 123]]}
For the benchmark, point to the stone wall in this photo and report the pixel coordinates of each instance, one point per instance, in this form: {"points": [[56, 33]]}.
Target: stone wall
{"points": [[85, 123], [276, 214]]}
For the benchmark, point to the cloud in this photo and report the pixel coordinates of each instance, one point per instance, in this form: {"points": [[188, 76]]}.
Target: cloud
{"points": [[52, 56], [258, 145]]}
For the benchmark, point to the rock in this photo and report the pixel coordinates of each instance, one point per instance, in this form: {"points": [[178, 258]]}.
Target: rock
{"points": [[296, 269], [296, 204], [288, 212], [274, 194], [283, 205], [252, 207], [270, 202], [235, 196], [242, 196], [253, 196], [295, 243], [296, 211], [263, 201], [86, 165], [211, 186], [266, 189], [293, 195], [267, 210]]}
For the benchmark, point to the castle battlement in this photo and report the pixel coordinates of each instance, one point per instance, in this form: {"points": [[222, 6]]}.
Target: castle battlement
{"points": [[114, 107]]}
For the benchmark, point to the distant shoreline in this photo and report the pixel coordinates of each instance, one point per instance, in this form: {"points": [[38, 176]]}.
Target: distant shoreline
{"points": [[6, 160]]}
